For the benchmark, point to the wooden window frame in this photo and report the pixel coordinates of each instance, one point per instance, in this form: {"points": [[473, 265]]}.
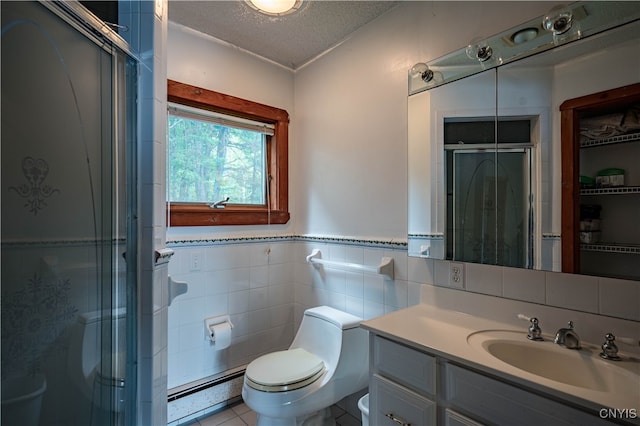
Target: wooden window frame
{"points": [[200, 214]]}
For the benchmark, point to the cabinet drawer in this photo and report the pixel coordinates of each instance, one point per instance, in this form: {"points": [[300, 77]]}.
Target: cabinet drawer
{"points": [[393, 405], [451, 418], [407, 366], [500, 403]]}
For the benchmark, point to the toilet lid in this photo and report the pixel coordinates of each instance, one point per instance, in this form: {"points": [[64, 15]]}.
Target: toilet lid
{"points": [[284, 370]]}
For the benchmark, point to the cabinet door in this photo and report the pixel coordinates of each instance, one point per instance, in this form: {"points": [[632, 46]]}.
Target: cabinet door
{"points": [[393, 405], [409, 367], [500, 403]]}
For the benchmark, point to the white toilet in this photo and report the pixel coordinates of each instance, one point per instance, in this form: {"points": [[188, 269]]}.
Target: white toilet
{"points": [[328, 360], [95, 377]]}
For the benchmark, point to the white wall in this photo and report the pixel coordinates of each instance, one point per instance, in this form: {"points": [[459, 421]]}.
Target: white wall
{"points": [[351, 112]]}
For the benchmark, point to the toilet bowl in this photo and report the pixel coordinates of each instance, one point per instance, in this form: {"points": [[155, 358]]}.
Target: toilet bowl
{"points": [[22, 400], [100, 380], [327, 361]]}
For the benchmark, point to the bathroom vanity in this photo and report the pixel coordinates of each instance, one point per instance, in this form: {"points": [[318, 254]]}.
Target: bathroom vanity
{"points": [[435, 367]]}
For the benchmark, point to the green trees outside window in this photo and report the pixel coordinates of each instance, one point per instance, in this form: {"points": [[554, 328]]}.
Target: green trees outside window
{"points": [[208, 162]]}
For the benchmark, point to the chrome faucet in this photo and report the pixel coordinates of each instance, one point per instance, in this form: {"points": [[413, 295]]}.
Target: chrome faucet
{"points": [[609, 348], [567, 337], [535, 333]]}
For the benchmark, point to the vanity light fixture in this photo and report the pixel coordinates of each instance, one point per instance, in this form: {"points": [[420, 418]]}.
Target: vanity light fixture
{"points": [[558, 20], [421, 70], [480, 51], [275, 7]]}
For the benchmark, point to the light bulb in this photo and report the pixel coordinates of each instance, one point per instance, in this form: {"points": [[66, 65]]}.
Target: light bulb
{"points": [[274, 7], [480, 51], [558, 20], [421, 70]]}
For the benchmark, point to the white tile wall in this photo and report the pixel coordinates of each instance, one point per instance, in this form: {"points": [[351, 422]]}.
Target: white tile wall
{"points": [[524, 284], [612, 297], [266, 286], [486, 279], [253, 283], [572, 291], [619, 298]]}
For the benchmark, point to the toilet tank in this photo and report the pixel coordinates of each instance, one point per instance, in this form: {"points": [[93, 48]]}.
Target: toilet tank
{"points": [[324, 331], [85, 346]]}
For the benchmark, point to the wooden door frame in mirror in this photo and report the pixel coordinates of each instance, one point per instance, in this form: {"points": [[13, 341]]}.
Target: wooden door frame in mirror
{"points": [[570, 113]]}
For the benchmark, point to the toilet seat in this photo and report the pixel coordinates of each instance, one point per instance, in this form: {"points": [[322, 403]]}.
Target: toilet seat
{"points": [[284, 370]]}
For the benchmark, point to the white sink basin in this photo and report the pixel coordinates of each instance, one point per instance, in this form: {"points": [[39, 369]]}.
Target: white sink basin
{"points": [[582, 368]]}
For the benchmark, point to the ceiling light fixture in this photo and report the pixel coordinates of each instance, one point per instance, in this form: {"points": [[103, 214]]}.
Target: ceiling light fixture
{"points": [[275, 7]]}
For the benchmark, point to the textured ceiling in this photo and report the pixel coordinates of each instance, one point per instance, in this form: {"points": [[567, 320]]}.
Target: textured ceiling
{"points": [[290, 40]]}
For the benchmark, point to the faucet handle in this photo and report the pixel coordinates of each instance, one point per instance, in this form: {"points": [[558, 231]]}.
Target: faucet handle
{"points": [[609, 348], [535, 333]]}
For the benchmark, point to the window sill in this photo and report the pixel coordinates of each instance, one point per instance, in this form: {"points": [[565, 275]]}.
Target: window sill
{"points": [[202, 215]]}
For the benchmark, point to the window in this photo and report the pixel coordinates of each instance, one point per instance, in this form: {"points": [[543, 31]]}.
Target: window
{"points": [[212, 157], [221, 146]]}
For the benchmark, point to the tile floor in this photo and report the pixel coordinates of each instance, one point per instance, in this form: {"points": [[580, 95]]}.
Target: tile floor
{"points": [[241, 415]]}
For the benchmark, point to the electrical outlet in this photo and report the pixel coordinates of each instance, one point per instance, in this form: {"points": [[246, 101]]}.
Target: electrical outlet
{"points": [[194, 260], [456, 274]]}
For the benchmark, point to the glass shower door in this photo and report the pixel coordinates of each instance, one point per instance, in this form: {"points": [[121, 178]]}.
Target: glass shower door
{"points": [[491, 206], [68, 197]]}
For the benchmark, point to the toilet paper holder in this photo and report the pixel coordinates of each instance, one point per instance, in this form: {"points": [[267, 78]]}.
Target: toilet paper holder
{"points": [[210, 322]]}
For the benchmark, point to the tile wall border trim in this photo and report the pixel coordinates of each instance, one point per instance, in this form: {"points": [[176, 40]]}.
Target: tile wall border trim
{"points": [[367, 242]]}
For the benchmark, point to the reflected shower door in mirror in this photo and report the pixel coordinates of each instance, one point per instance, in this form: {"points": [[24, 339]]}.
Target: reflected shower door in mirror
{"points": [[489, 208]]}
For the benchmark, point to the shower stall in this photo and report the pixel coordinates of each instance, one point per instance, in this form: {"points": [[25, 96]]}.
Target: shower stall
{"points": [[69, 237]]}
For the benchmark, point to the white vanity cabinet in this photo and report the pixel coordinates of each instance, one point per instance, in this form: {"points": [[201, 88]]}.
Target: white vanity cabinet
{"points": [[410, 386], [402, 386]]}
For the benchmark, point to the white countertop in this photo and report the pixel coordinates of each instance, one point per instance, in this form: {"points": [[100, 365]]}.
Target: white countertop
{"points": [[444, 333]]}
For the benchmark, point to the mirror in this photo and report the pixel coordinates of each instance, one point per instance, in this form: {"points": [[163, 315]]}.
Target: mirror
{"points": [[430, 112], [485, 164]]}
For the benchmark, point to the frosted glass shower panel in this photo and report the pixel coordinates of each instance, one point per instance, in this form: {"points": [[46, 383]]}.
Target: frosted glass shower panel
{"points": [[490, 207], [514, 200]]}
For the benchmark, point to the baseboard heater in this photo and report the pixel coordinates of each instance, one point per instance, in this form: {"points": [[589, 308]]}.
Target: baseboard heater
{"points": [[200, 385]]}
